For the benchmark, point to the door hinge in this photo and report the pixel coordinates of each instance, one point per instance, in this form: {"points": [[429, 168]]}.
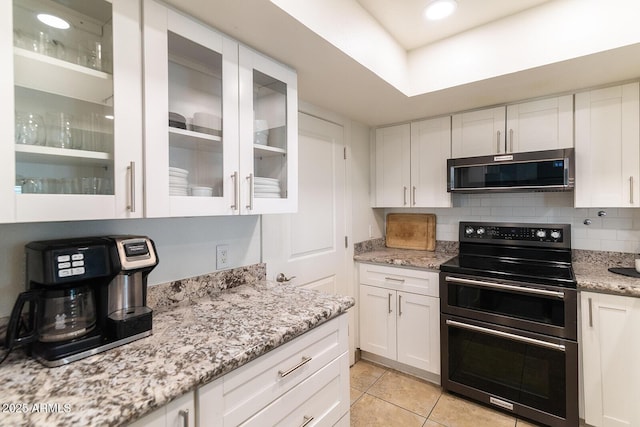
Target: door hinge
{"points": [[346, 242], [345, 153]]}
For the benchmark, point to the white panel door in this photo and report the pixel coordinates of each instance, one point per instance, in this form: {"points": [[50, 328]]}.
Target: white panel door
{"points": [[393, 164], [378, 321], [430, 149], [478, 133], [310, 244], [546, 124], [608, 147], [419, 331]]}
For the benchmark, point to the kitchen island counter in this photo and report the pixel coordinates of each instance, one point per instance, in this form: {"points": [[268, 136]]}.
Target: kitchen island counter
{"points": [[193, 342]]}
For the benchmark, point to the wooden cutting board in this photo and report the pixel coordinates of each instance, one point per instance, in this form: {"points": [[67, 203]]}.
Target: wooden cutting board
{"points": [[411, 231]]}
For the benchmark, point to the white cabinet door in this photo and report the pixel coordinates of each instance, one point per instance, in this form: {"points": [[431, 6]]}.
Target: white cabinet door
{"points": [[71, 113], [608, 147], [378, 321], [191, 116], [478, 133], [393, 166], [610, 354], [268, 135], [545, 124], [419, 331], [430, 149]]}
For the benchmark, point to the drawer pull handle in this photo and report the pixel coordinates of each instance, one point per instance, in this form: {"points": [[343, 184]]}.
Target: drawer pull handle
{"points": [[306, 420], [303, 362], [184, 414], [393, 279]]}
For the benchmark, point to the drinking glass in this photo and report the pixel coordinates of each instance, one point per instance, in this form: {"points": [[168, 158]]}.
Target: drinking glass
{"points": [[60, 133], [30, 129]]}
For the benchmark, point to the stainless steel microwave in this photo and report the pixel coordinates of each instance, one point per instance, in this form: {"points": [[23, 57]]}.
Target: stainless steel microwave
{"points": [[549, 170]]}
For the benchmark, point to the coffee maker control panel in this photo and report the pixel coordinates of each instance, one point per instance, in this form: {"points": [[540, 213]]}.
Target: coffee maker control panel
{"points": [[135, 252]]}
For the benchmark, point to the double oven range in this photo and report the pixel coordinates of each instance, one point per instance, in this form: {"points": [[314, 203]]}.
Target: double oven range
{"points": [[509, 320]]}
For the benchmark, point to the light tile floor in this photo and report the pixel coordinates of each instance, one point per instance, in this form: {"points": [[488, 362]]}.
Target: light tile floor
{"points": [[384, 397]]}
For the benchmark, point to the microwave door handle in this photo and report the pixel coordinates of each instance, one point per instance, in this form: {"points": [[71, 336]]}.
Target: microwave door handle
{"points": [[502, 286], [507, 335]]}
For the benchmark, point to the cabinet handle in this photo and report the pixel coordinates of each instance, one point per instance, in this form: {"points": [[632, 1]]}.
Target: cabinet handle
{"points": [[132, 181], [405, 196], [306, 420], [303, 362], [234, 177], [631, 189], [184, 413], [510, 140], [399, 305], [590, 314], [389, 302], [250, 205], [498, 142], [393, 279], [414, 195]]}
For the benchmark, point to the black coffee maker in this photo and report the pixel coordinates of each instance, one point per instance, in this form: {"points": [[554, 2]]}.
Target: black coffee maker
{"points": [[84, 296]]}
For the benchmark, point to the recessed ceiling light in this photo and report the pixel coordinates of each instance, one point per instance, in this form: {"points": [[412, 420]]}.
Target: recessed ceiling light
{"points": [[439, 9], [53, 21]]}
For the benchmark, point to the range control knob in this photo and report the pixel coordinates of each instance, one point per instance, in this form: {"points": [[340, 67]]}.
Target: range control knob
{"points": [[480, 231], [541, 234], [468, 231], [555, 234]]}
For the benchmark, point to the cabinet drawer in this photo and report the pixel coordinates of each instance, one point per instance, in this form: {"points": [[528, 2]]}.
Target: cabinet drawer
{"points": [[254, 386], [322, 399], [402, 279]]}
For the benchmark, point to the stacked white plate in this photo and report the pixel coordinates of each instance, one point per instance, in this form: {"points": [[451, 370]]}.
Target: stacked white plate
{"points": [[266, 187], [178, 182]]}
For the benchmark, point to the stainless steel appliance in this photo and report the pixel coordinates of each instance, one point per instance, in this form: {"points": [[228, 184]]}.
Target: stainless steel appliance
{"points": [[84, 296], [509, 320], [550, 170]]}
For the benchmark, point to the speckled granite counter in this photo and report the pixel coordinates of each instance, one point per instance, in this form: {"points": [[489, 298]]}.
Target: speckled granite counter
{"points": [[431, 260], [590, 267], [209, 333]]}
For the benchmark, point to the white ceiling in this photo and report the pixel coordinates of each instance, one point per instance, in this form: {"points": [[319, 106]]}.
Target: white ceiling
{"points": [[331, 79], [404, 20]]}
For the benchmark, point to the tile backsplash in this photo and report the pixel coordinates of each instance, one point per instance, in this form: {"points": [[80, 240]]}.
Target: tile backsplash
{"points": [[617, 231]]}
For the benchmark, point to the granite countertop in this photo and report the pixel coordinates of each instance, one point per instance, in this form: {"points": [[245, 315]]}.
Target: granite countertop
{"points": [[590, 267], [192, 343]]}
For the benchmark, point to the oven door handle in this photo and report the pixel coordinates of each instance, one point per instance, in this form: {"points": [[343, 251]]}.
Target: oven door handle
{"points": [[507, 335], [502, 286]]}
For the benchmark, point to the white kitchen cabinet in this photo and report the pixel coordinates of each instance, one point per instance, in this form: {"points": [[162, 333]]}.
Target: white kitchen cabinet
{"points": [[400, 316], [610, 353], [410, 164], [478, 133], [177, 413], [608, 147], [430, 149], [305, 380], [393, 165], [544, 124], [71, 113], [220, 122]]}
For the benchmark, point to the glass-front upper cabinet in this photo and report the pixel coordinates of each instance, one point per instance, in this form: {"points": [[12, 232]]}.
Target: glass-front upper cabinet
{"points": [[191, 105], [71, 110], [268, 134]]}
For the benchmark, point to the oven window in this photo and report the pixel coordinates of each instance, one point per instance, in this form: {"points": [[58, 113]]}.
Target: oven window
{"points": [[534, 308], [523, 373]]}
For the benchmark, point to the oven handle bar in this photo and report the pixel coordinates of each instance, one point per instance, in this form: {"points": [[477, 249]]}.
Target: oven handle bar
{"points": [[520, 289], [507, 335]]}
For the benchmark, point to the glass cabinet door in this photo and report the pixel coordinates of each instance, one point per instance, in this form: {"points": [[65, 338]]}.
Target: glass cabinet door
{"points": [[191, 149], [63, 111], [269, 134]]}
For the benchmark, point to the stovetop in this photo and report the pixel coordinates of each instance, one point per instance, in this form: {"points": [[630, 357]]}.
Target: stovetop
{"points": [[530, 253]]}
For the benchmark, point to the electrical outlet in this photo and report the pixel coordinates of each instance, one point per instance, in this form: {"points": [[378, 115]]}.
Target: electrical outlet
{"points": [[222, 257]]}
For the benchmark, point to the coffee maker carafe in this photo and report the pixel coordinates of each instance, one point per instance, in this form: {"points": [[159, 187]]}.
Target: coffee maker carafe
{"points": [[84, 296]]}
